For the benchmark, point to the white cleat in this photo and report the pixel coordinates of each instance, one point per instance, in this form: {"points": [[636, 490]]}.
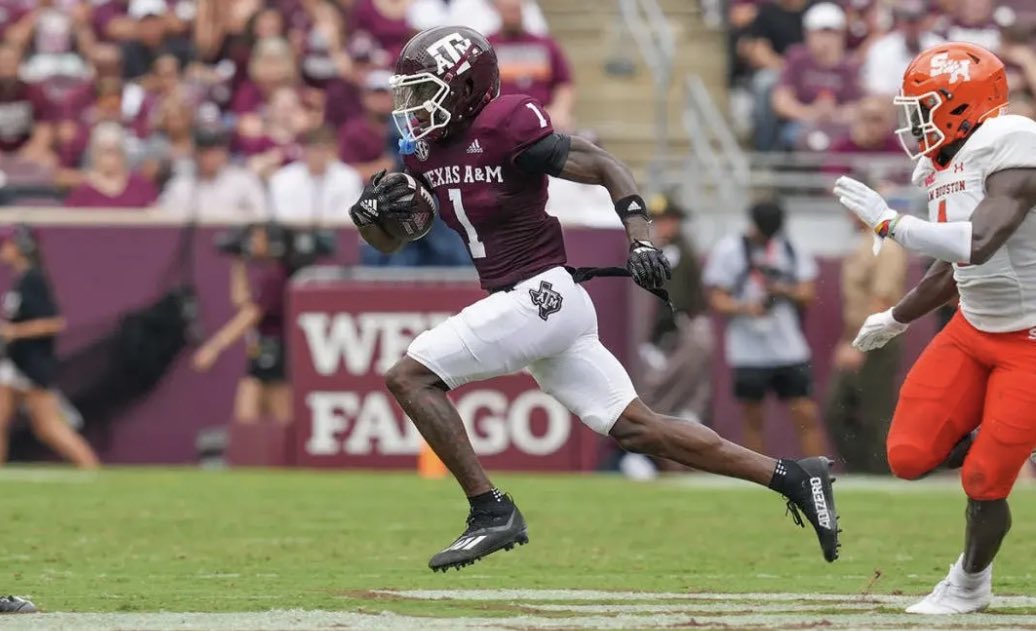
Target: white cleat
{"points": [[955, 594]]}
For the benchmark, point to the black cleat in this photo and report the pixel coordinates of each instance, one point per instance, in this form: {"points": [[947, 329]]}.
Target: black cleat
{"points": [[14, 604], [815, 497], [486, 533]]}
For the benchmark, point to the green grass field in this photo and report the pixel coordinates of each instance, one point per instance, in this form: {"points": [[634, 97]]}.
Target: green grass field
{"points": [[135, 541]]}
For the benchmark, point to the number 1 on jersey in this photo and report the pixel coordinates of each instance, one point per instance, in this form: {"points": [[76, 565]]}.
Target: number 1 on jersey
{"points": [[478, 249], [941, 218], [538, 113]]}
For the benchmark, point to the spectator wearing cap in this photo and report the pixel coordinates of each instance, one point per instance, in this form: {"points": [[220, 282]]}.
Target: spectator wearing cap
{"points": [[677, 359], [533, 65], [108, 182], [25, 116], [385, 21], [283, 120], [777, 26], [887, 60], [151, 39], [364, 141], [862, 391], [761, 283], [317, 189], [818, 85], [215, 189]]}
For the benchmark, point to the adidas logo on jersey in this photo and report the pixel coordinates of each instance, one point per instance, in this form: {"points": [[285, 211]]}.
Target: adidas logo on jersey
{"points": [[475, 147]]}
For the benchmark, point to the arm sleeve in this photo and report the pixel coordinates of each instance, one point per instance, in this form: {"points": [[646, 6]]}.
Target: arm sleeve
{"points": [[548, 155]]}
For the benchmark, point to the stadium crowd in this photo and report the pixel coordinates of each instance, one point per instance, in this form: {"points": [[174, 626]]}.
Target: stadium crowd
{"points": [[225, 109], [819, 76]]}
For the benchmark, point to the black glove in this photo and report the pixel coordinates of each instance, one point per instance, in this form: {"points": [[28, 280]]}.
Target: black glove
{"points": [[648, 265], [379, 199]]}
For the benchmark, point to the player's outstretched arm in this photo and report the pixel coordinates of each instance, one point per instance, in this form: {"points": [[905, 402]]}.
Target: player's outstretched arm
{"points": [[1010, 195]]}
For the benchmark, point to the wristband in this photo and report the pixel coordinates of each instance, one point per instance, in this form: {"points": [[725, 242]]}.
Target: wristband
{"points": [[631, 206]]}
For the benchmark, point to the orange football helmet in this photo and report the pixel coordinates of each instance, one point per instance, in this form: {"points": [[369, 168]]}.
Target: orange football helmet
{"points": [[948, 90]]}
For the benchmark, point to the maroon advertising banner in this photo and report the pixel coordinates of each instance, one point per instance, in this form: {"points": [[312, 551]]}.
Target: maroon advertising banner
{"points": [[346, 334]]}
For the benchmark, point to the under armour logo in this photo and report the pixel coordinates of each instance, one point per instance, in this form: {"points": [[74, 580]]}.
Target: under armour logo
{"points": [[958, 167], [548, 300]]}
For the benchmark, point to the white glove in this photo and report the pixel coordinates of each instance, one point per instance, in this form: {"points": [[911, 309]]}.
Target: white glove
{"points": [[866, 203], [877, 330]]}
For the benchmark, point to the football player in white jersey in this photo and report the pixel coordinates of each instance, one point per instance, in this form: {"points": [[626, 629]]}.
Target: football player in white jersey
{"points": [[978, 165]]}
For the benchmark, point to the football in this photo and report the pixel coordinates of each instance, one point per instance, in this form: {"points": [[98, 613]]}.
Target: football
{"points": [[422, 207]]}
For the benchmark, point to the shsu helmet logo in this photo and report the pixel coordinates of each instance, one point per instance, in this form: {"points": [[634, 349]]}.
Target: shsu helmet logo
{"points": [[957, 68]]}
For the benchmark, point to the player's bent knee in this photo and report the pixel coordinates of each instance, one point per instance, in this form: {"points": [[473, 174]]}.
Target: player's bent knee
{"points": [[910, 462], [985, 484], [639, 434]]}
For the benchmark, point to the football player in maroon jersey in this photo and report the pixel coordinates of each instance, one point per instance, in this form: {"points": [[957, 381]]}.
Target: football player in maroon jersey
{"points": [[486, 158]]}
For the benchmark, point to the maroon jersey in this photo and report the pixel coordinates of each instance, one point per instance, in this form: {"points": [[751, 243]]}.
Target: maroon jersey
{"points": [[496, 208]]}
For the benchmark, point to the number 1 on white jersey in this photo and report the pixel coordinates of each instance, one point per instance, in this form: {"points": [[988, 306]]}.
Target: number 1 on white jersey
{"points": [[478, 249]]}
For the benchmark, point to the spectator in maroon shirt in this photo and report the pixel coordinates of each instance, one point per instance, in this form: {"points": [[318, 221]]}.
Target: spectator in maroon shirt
{"points": [[276, 142], [25, 118], [363, 140], [385, 21], [108, 182], [972, 21], [818, 85], [533, 65], [114, 20]]}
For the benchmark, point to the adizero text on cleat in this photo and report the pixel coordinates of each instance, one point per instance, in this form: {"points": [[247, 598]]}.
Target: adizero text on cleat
{"points": [[486, 533], [813, 496]]}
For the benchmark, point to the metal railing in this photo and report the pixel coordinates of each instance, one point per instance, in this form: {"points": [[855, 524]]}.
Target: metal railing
{"points": [[717, 169], [650, 30]]}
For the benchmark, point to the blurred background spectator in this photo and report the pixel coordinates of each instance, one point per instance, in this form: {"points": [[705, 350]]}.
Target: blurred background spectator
{"points": [[762, 283], [319, 187], [366, 142], [533, 65], [108, 182], [862, 393], [887, 59], [675, 379], [818, 84], [214, 188]]}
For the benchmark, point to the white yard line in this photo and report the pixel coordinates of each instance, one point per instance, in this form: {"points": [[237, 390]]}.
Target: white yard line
{"points": [[670, 610]]}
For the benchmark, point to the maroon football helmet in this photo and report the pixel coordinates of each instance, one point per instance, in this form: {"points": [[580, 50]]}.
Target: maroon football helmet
{"points": [[444, 77]]}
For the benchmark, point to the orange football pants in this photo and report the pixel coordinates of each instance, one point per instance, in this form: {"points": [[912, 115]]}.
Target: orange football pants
{"points": [[966, 379]]}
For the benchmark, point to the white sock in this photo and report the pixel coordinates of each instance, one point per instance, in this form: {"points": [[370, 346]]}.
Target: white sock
{"points": [[969, 580]]}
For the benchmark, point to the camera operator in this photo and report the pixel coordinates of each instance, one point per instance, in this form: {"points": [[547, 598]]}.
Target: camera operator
{"points": [[762, 283], [32, 322], [264, 391]]}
